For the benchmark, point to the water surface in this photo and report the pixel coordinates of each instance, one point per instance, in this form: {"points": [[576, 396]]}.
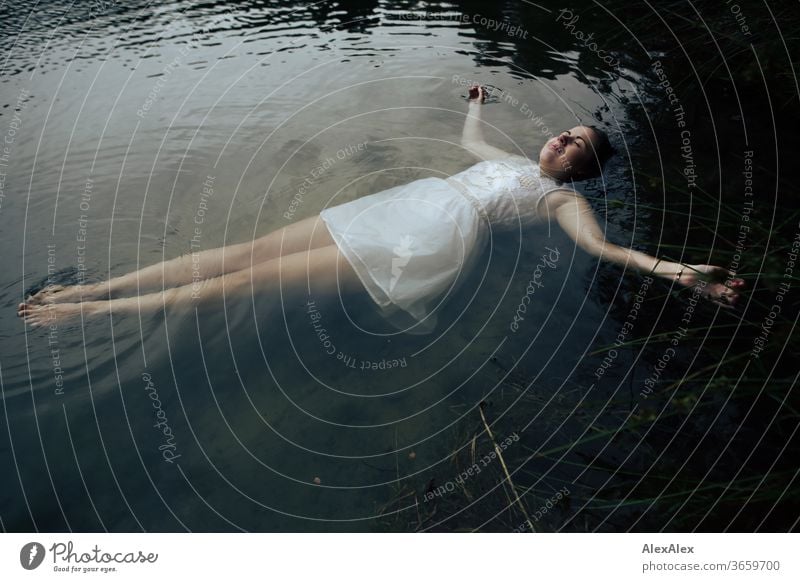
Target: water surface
{"points": [[127, 110]]}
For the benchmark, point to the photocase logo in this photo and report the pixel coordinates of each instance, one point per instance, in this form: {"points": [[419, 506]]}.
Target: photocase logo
{"points": [[31, 555], [403, 255]]}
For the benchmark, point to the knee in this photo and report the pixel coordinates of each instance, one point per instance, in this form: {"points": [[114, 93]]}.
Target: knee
{"points": [[264, 247]]}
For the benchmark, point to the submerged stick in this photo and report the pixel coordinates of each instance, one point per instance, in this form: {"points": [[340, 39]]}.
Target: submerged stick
{"points": [[505, 470]]}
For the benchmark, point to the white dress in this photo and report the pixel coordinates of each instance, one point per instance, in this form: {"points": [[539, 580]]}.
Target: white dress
{"points": [[411, 245]]}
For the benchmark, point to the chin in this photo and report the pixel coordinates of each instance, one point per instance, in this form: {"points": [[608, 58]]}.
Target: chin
{"points": [[548, 156]]}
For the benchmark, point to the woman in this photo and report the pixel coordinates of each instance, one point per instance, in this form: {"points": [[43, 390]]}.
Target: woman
{"points": [[408, 246]]}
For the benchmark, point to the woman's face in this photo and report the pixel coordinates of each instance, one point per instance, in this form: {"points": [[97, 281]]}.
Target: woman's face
{"points": [[565, 155]]}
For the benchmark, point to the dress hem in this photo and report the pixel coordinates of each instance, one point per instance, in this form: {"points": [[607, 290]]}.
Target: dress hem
{"points": [[369, 283]]}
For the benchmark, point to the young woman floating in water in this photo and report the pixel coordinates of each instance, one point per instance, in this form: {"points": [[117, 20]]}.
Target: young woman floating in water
{"points": [[407, 246]]}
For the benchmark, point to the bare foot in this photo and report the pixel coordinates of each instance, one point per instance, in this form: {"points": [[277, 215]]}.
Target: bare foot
{"points": [[54, 313], [68, 294]]}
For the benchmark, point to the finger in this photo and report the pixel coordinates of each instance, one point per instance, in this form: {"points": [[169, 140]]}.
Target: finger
{"points": [[721, 301], [728, 301], [716, 269]]}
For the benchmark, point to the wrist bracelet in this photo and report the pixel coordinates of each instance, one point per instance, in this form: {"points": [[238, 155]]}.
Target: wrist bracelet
{"points": [[653, 271]]}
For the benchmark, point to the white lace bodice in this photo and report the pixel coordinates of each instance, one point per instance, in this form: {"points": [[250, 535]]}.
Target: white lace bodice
{"points": [[507, 191]]}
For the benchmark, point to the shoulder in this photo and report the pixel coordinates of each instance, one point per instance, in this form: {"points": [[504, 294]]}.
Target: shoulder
{"points": [[557, 200], [562, 195]]}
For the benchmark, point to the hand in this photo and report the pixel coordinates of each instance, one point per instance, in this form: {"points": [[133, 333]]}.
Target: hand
{"points": [[477, 94], [722, 287]]}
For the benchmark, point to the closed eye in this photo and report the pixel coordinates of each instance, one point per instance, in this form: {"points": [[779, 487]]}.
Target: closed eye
{"points": [[568, 132]]}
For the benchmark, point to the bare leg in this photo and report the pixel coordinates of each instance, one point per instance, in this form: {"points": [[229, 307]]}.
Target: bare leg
{"points": [[322, 271], [307, 234]]}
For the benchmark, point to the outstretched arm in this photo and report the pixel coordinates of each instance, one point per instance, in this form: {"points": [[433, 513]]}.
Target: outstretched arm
{"points": [[576, 217], [472, 135]]}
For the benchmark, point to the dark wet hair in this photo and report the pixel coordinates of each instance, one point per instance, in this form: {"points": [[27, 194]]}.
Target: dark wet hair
{"points": [[603, 150]]}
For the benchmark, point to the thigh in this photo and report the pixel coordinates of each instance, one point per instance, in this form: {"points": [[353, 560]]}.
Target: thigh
{"points": [[305, 235], [330, 272], [320, 271], [309, 233]]}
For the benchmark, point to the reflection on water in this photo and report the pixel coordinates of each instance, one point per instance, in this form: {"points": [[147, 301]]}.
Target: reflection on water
{"points": [[121, 113]]}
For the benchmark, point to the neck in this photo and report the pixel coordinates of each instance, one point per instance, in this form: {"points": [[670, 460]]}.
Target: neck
{"points": [[547, 173]]}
